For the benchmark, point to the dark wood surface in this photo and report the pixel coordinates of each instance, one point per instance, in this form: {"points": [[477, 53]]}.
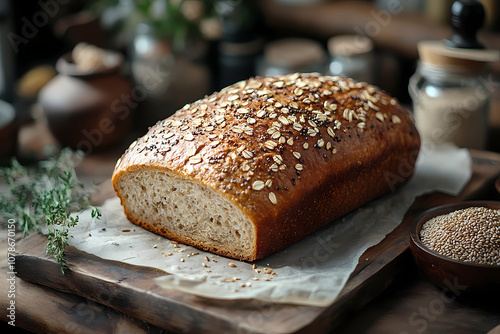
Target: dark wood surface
{"points": [[115, 286], [413, 305]]}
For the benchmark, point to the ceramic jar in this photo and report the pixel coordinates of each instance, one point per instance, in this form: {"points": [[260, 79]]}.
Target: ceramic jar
{"points": [[290, 55], [88, 109], [351, 56]]}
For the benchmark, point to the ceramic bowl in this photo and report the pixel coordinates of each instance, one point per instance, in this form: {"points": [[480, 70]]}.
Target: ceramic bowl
{"points": [[453, 276]]}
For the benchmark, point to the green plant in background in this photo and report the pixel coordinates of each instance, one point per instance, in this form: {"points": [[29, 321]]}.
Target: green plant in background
{"points": [[175, 20], [46, 195]]}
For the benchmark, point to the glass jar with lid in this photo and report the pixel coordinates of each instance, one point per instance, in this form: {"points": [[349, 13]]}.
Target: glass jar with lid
{"points": [[289, 55], [351, 56], [451, 95]]}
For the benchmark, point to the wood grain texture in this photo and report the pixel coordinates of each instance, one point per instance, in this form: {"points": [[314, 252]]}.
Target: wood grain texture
{"points": [[413, 305], [43, 310], [131, 290]]}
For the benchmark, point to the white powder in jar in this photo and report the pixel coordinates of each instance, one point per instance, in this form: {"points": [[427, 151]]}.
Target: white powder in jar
{"points": [[456, 115]]}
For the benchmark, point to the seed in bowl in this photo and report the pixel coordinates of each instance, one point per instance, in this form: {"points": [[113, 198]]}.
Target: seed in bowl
{"points": [[469, 235]]}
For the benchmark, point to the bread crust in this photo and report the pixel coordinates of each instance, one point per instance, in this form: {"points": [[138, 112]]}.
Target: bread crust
{"points": [[292, 152]]}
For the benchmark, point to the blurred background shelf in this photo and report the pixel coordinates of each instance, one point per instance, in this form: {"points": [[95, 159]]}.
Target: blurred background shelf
{"points": [[38, 35], [398, 33], [395, 35]]}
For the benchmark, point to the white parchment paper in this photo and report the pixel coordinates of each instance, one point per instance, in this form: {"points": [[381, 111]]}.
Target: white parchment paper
{"points": [[312, 271]]}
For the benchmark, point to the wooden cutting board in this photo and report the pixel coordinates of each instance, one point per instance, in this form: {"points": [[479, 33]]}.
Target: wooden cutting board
{"points": [[132, 291]]}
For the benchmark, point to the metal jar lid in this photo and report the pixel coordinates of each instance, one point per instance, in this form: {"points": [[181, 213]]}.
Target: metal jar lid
{"points": [[294, 53]]}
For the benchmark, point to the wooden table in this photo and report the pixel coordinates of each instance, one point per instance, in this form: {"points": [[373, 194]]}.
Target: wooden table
{"points": [[405, 303]]}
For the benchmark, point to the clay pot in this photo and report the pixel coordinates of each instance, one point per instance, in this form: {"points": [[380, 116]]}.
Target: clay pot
{"points": [[88, 109]]}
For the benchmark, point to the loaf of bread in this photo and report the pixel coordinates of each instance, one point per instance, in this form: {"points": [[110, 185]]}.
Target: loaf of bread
{"points": [[251, 169]]}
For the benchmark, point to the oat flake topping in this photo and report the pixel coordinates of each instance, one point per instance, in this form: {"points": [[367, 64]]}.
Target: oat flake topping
{"points": [[270, 122]]}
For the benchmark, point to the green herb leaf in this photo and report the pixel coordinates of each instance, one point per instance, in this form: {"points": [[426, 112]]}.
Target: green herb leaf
{"points": [[46, 196]]}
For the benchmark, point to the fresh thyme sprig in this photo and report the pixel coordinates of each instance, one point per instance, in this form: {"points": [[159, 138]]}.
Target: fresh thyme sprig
{"points": [[46, 196]]}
